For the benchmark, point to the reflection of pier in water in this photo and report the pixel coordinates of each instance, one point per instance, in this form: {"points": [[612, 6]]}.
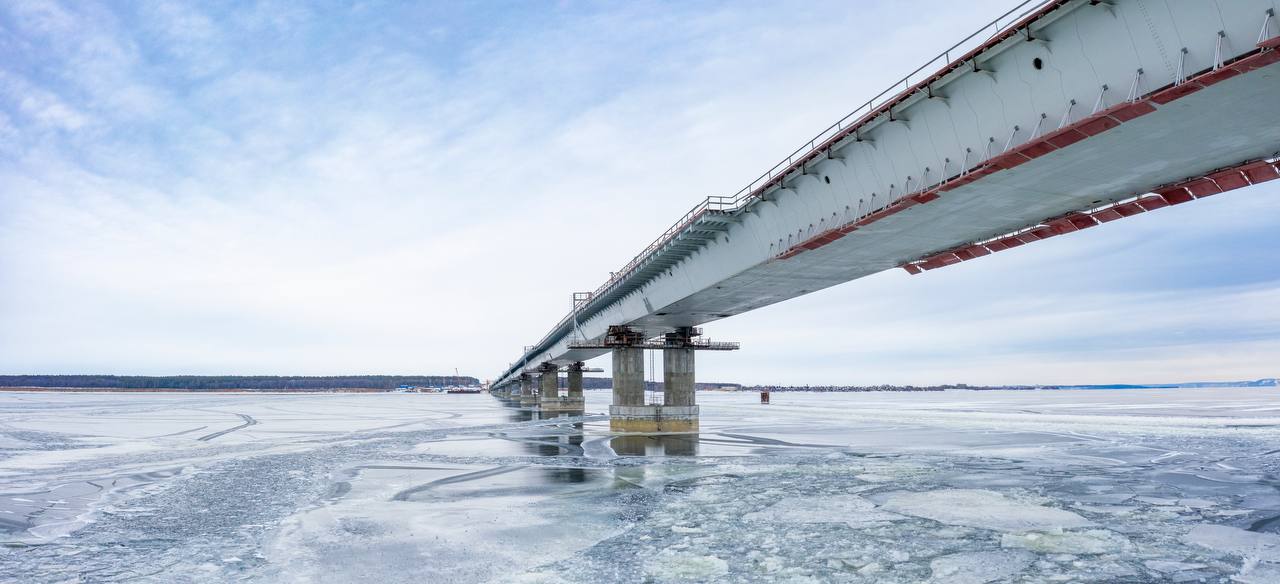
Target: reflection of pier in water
{"points": [[570, 443], [655, 444]]}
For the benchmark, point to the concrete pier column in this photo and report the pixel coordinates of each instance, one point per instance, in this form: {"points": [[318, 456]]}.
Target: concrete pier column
{"points": [[677, 377], [549, 400], [575, 380], [572, 403], [628, 376], [629, 413], [526, 390], [549, 382]]}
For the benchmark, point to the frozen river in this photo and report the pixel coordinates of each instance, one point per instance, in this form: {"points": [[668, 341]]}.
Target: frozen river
{"points": [[955, 487]]}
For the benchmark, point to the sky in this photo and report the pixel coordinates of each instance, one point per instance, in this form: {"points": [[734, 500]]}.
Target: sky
{"points": [[413, 188]]}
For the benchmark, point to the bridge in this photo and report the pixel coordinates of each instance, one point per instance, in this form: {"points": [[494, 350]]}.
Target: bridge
{"points": [[1056, 117]]}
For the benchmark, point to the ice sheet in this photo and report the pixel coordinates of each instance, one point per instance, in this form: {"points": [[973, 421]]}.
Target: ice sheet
{"points": [[1083, 486]]}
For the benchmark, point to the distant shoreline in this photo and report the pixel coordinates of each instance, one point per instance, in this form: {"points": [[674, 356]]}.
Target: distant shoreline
{"points": [[233, 383], [238, 390], [1265, 382]]}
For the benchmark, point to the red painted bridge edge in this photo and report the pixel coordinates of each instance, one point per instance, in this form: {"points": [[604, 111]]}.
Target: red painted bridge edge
{"points": [[1176, 194], [1244, 174]]}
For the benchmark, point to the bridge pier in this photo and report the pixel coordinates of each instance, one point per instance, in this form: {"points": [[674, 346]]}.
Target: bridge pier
{"points": [[575, 380], [629, 412], [679, 398], [628, 376], [678, 370], [574, 401], [548, 382], [527, 397], [549, 399]]}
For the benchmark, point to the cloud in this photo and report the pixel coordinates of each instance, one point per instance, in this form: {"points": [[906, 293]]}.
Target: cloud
{"points": [[44, 108]]}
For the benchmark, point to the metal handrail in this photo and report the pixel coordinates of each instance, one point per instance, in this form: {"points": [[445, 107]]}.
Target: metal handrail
{"points": [[868, 111]]}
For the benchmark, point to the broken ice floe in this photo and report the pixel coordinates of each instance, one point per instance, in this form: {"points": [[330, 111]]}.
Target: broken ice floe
{"points": [[1255, 572], [982, 509], [672, 565], [851, 510], [978, 567], [1093, 541], [1236, 541]]}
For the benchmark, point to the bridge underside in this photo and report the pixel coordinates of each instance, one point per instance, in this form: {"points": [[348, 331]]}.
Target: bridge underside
{"points": [[1223, 125]]}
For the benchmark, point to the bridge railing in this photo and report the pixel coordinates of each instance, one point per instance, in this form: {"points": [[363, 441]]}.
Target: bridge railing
{"points": [[872, 108], [943, 63]]}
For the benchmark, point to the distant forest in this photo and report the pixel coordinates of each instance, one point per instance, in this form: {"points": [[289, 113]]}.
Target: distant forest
{"points": [[225, 382]]}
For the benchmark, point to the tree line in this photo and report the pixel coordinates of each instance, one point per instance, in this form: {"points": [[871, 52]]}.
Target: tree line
{"points": [[223, 382]]}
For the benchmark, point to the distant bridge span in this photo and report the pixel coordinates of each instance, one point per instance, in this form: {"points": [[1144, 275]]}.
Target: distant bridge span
{"points": [[1058, 116]]}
